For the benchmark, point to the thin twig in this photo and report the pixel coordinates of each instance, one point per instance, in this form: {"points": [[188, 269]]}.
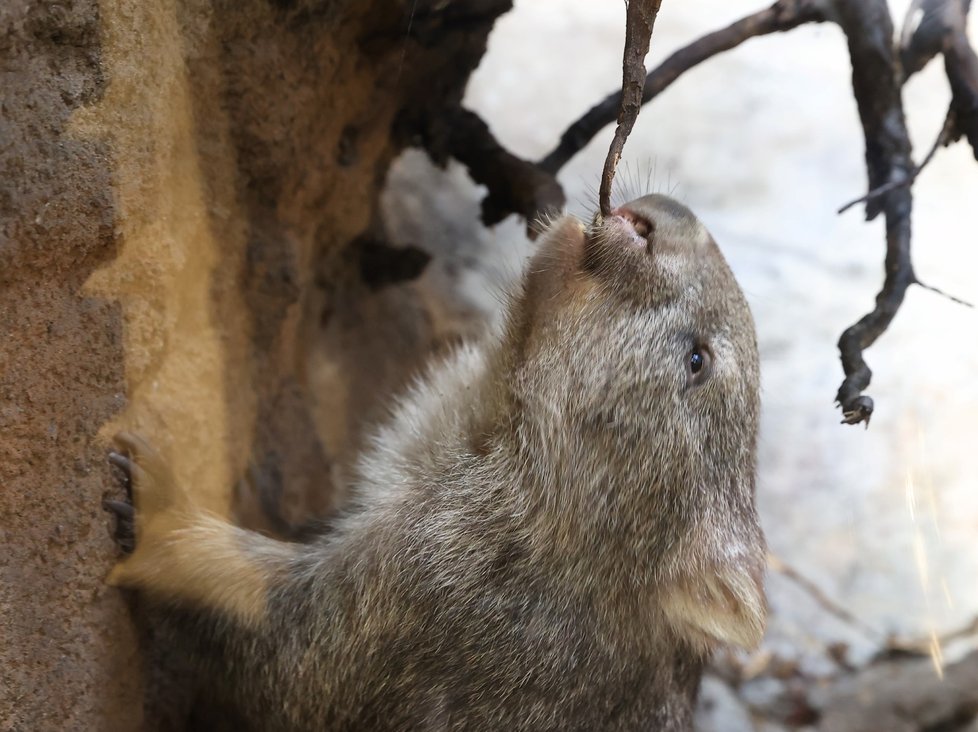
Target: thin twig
{"points": [[942, 293], [639, 22], [781, 16], [827, 603], [944, 138]]}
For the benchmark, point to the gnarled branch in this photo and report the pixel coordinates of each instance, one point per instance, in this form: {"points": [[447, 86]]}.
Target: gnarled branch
{"points": [[941, 26], [879, 71], [876, 83], [782, 16], [514, 185]]}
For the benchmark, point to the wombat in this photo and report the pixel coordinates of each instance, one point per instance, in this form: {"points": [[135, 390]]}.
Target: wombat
{"points": [[552, 533]]}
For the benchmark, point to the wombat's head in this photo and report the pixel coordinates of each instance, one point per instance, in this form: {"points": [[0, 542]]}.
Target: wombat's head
{"points": [[635, 370]]}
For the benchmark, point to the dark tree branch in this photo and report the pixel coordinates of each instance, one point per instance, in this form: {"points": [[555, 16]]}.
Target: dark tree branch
{"points": [[782, 16], [927, 30], [922, 646], [941, 26], [961, 66], [925, 27], [639, 22], [879, 71], [819, 596], [902, 694], [876, 82], [515, 185]]}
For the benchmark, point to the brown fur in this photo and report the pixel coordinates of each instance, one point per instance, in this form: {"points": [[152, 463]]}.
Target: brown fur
{"points": [[551, 534]]}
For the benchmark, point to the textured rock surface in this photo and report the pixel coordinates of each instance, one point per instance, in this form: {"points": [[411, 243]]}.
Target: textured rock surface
{"points": [[184, 187], [67, 648]]}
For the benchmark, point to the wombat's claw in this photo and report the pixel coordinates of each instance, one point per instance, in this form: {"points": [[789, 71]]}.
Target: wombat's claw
{"points": [[123, 510], [125, 465], [139, 459], [125, 534]]}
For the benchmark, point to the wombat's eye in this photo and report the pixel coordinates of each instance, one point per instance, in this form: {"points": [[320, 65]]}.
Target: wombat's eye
{"points": [[698, 362]]}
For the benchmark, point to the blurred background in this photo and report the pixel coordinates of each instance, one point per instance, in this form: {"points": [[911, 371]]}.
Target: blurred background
{"points": [[873, 532]]}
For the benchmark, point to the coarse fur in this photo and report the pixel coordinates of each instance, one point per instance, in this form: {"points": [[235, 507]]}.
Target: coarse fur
{"points": [[552, 533]]}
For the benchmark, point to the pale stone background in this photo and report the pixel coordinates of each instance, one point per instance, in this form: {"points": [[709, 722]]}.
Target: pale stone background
{"points": [[764, 143]]}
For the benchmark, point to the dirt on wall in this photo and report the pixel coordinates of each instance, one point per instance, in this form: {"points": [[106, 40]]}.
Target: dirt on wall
{"points": [[188, 190]]}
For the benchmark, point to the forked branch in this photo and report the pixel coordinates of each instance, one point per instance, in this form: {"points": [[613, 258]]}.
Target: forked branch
{"points": [[941, 26], [782, 16], [880, 69]]}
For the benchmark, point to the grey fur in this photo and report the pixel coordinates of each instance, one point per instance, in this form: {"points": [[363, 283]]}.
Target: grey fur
{"points": [[552, 532]]}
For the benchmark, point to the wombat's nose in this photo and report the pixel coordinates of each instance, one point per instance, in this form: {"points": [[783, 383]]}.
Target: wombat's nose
{"points": [[641, 225], [651, 224], [622, 227], [667, 223]]}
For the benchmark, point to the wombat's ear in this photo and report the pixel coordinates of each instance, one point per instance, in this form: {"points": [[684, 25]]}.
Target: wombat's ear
{"points": [[726, 606]]}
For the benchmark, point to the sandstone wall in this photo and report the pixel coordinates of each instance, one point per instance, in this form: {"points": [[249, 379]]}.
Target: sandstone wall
{"points": [[185, 191]]}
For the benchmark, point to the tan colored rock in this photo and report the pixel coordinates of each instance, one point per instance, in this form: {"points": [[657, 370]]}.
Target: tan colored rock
{"points": [[182, 186]]}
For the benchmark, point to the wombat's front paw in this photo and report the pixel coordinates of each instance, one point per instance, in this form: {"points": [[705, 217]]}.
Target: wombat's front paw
{"points": [[150, 481], [154, 509]]}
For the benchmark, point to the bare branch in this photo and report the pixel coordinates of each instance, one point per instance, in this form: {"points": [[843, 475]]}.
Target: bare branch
{"points": [[949, 296], [515, 185], [519, 186], [936, 26], [925, 27], [827, 603], [961, 66], [782, 16], [640, 20], [876, 83]]}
